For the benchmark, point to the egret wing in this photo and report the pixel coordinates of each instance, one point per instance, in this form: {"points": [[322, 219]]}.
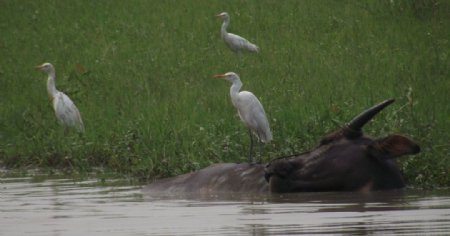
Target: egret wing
{"points": [[236, 43], [253, 115], [66, 112]]}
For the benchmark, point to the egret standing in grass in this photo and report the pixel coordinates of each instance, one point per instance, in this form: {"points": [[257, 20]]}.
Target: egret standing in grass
{"points": [[235, 42], [250, 111], [65, 110]]}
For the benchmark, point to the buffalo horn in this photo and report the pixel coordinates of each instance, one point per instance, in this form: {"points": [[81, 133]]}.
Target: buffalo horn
{"points": [[359, 121]]}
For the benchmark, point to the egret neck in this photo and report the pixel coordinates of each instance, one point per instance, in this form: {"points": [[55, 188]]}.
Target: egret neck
{"points": [[51, 86], [225, 24], [234, 91]]}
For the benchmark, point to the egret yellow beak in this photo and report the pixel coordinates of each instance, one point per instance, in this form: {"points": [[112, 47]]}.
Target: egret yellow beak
{"points": [[219, 15], [38, 67], [221, 76]]}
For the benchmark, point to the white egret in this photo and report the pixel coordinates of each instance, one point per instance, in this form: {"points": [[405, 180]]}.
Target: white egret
{"points": [[235, 42], [249, 109], [65, 110]]}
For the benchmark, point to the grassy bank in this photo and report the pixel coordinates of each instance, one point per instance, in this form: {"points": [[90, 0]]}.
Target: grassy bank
{"points": [[141, 72]]}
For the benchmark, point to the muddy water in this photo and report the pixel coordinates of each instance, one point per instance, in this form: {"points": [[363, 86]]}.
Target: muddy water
{"points": [[66, 207]]}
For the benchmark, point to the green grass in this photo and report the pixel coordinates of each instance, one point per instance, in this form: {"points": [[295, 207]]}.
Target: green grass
{"points": [[141, 72]]}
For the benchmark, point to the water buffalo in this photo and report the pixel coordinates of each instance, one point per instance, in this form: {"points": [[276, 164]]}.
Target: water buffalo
{"points": [[345, 160]]}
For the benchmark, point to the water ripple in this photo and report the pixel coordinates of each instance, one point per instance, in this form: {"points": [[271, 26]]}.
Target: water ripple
{"points": [[68, 207]]}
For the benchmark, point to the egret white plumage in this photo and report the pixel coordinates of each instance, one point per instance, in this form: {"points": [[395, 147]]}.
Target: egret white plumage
{"points": [[235, 42], [66, 112], [250, 110]]}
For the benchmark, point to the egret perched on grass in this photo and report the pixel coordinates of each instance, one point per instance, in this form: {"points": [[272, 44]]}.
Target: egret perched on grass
{"points": [[235, 42], [249, 109], [65, 110]]}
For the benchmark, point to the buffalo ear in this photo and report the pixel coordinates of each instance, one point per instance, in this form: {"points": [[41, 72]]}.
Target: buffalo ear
{"points": [[393, 146]]}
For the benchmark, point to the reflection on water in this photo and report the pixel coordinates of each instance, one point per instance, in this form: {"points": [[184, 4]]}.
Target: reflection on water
{"points": [[65, 207]]}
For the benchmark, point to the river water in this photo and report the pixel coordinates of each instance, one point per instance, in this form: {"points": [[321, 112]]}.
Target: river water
{"points": [[68, 207]]}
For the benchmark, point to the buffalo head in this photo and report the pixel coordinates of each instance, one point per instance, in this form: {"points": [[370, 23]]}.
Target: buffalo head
{"points": [[345, 160]]}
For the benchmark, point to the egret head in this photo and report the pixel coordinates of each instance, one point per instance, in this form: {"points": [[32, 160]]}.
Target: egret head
{"points": [[229, 76], [46, 67], [223, 16]]}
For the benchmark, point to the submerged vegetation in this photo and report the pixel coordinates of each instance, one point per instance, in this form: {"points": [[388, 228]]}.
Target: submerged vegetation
{"points": [[140, 73]]}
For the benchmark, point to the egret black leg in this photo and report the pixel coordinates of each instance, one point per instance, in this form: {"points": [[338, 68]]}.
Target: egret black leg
{"points": [[250, 157]]}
